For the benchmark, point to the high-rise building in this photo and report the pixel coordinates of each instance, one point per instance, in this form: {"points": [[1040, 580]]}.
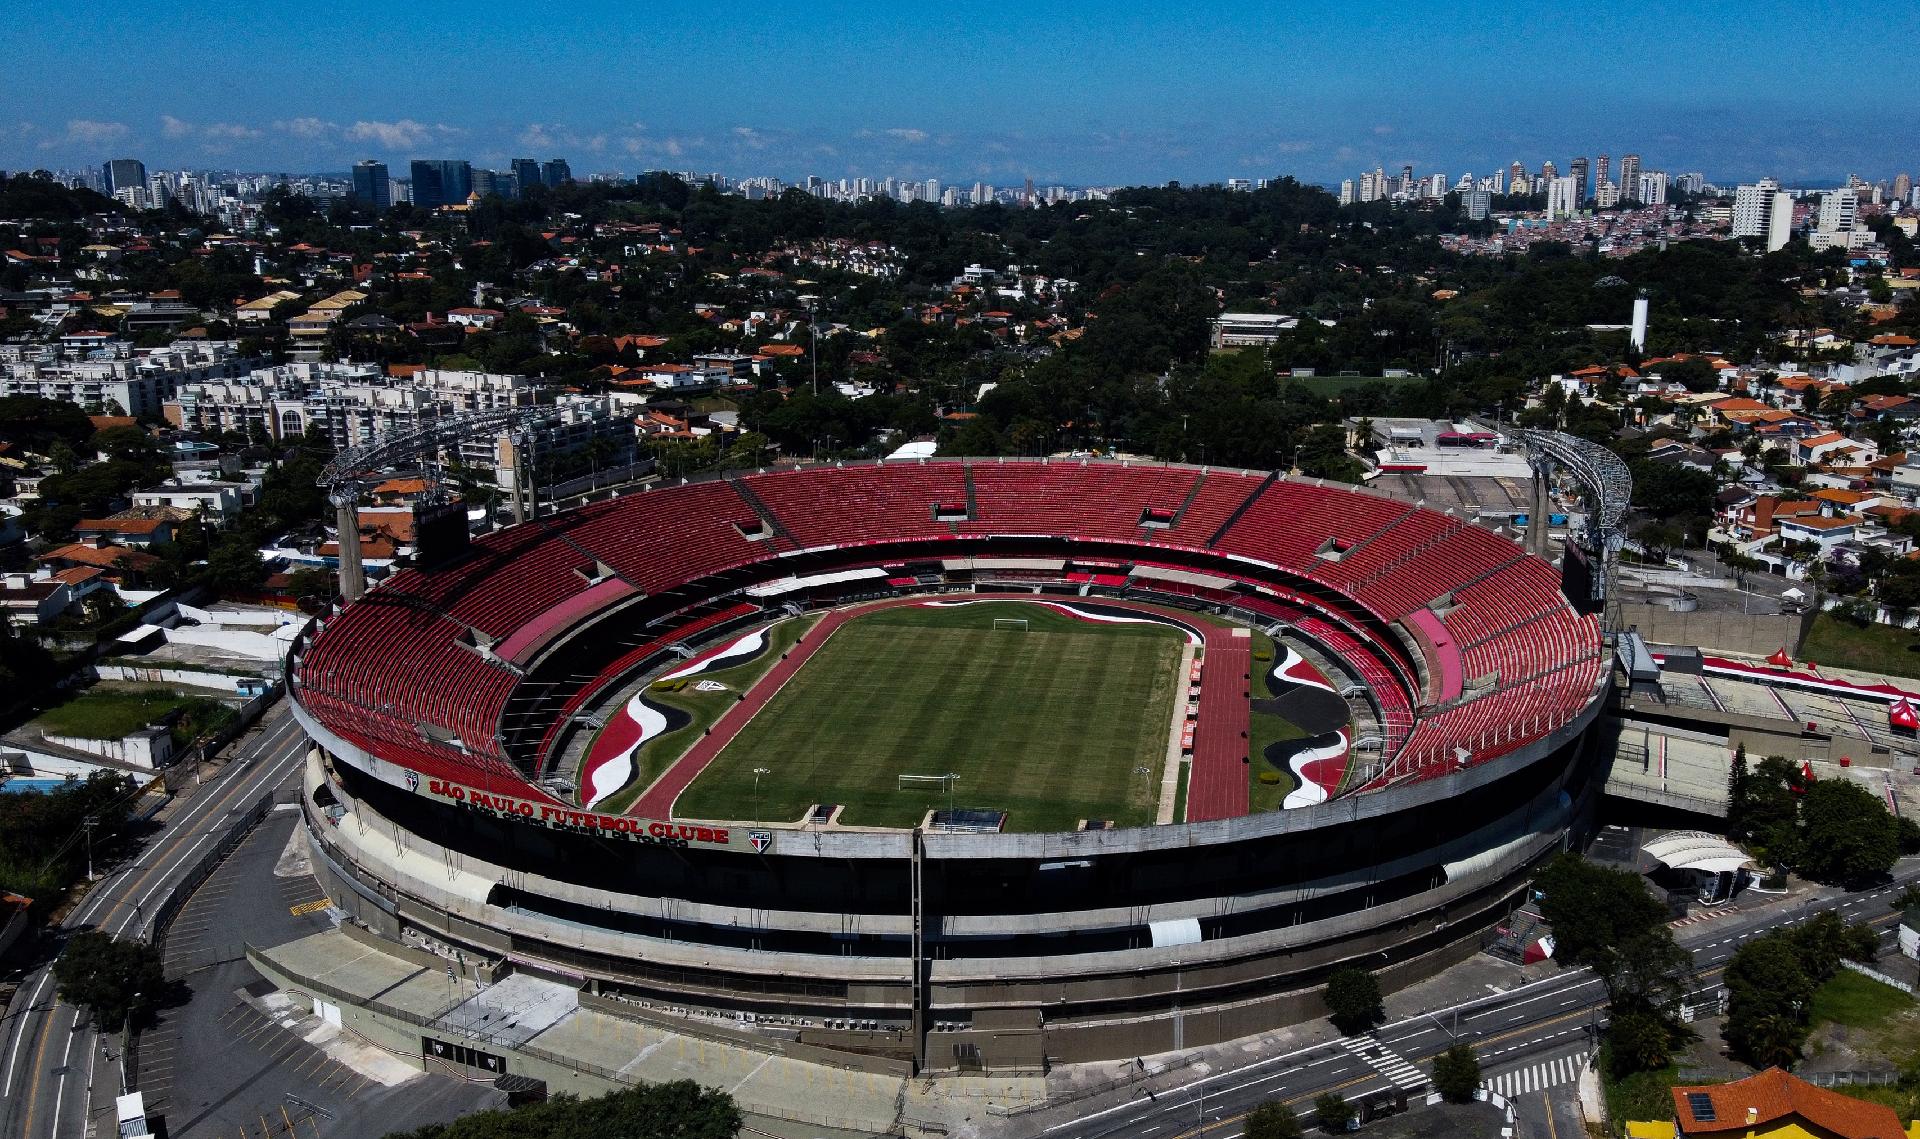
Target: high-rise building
{"points": [[441, 182], [1477, 203], [1346, 191], [1606, 195], [1779, 221], [1600, 168], [125, 173], [1902, 186], [527, 172], [1838, 210], [1692, 182], [554, 171], [1629, 174], [370, 185], [1651, 188], [1577, 170], [1561, 202], [1753, 206], [495, 183]]}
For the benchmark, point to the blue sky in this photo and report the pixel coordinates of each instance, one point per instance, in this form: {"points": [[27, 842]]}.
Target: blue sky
{"points": [[1104, 93]]}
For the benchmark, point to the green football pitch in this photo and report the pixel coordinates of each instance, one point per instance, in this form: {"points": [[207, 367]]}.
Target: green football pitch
{"points": [[1061, 721]]}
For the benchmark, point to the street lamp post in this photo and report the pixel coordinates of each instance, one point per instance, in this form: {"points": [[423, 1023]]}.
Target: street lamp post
{"points": [[757, 773]]}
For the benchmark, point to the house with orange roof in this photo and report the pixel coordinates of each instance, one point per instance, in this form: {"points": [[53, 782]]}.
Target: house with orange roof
{"points": [[116, 562], [134, 533], [1773, 1104], [1835, 448]]}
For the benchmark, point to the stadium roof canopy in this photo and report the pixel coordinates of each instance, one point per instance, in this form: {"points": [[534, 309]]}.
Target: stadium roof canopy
{"points": [[1697, 850]]}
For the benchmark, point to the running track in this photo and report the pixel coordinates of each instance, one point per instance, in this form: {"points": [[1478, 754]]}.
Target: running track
{"points": [[1217, 784], [1220, 742]]}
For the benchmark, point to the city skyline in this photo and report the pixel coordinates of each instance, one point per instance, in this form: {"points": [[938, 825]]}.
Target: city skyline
{"points": [[1134, 96]]}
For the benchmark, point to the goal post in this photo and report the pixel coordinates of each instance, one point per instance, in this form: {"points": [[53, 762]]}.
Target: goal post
{"points": [[942, 782], [1018, 624]]}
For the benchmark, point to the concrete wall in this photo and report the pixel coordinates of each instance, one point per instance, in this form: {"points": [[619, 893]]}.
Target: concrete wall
{"points": [[1756, 635], [149, 748], [222, 682]]}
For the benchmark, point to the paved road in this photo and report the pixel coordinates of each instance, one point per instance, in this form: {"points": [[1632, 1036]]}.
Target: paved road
{"points": [[55, 1068], [1525, 1030]]}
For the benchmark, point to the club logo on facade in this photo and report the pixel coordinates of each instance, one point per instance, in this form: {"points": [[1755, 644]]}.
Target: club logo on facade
{"points": [[760, 840]]}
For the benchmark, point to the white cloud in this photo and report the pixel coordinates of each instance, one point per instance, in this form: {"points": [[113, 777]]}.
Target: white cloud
{"points": [[751, 137], [402, 135], [307, 127], [907, 134], [231, 131], [95, 131], [555, 136], [175, 128]]}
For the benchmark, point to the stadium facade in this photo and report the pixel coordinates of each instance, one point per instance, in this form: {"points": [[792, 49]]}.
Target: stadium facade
{"points": [[443, 706]]}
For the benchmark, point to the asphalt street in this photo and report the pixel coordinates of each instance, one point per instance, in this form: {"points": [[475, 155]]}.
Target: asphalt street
{"points": [[54, 1070], [1527, 1031]]}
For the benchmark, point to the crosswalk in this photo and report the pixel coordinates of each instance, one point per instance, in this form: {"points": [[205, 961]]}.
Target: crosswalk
{"points": [[1386, 1061], [1554, 1073]]}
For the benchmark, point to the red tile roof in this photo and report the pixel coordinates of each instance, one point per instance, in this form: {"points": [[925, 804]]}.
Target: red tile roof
{"points": [[1774, 1095]]}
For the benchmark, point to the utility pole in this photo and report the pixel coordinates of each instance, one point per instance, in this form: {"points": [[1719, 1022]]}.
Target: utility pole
{"points": [[87, 824], [757, 773]]}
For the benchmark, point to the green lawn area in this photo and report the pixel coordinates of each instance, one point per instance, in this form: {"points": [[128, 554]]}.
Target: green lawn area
{"points": [[111, 713], [705, 707], [1857, 1002], [1266, 728], [1642, 1096], [1063, 721], [1876, 648]]}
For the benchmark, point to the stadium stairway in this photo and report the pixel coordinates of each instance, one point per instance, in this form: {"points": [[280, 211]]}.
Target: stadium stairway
{"points": [[765, 512], [1272, 477]]}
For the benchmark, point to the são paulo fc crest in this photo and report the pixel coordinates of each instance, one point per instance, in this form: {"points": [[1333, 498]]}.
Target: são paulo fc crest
{"points": [[413, 781], [760, 841]]}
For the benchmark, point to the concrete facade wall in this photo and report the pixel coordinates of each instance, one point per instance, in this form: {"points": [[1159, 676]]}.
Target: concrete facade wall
{"points": [[1758, 635]]}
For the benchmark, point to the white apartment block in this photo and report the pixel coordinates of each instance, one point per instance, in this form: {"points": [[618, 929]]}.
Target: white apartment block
{"points": [[352, 403], [1752, 207], [1563, 197], [115, 374]]}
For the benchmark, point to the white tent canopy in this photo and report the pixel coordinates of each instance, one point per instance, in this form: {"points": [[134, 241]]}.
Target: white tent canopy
{"points": [[1697, 850]]}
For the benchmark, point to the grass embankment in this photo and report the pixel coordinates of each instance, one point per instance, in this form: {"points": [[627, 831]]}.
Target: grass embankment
{"points": [[705, 707], [1265, 728], [103, 713], [1064, 720], [1873, 648]]}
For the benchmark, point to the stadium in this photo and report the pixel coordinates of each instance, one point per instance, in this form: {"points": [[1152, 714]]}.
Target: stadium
{"points": [[974, 764]]}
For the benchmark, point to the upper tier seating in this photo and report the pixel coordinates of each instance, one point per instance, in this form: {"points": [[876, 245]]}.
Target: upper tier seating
{"points": [[863, 503], [1067, 498]]}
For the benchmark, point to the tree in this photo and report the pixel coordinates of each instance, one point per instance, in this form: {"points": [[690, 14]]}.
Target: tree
{"points": [[1273, 1120], [1846, 835], [1456, 1074], [235, 564], [1695, 374], [678, 1110], [1638, 1042], [113, 979], [1332, 1113], [1353, 1000], [1769, 994], [1764, 810], [1594, 910]]}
